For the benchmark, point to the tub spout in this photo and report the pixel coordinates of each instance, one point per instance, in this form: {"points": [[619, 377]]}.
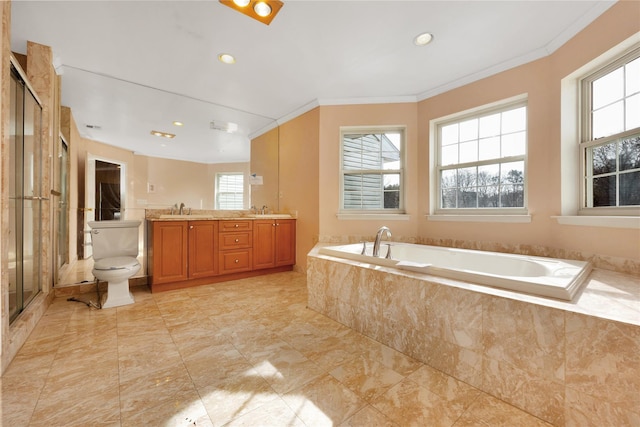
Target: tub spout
{"points": [[381, 233]]}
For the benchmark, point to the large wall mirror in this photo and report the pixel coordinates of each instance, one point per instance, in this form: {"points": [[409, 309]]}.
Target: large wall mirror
{"points": [[200, 154]]}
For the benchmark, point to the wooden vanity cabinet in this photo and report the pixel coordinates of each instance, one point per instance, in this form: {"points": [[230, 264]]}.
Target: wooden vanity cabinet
{"points": [[182, 250], [235, 238], [190, 253], [274, 242]]}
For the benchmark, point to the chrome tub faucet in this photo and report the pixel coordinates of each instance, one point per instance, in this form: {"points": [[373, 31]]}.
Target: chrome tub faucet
{"points": [[383, 231]]}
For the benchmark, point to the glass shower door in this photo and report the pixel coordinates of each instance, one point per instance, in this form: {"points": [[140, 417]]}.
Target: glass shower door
{"points": [[25, 186], [32, 207]]}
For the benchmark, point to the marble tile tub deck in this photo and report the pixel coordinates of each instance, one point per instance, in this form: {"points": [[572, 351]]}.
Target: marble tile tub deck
{"points": [[570, 363], [241, 353]]}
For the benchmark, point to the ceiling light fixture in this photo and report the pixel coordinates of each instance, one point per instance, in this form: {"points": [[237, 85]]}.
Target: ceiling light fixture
{"points": [[226, 58], [260, 10], [177, 123], [162, 134], [423, 39]]}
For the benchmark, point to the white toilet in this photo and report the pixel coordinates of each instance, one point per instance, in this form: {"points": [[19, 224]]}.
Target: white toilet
{"points": [[115, 248]]}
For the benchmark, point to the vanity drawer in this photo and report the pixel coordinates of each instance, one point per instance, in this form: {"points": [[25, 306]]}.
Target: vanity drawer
{"points": [[235, 261], [235, 240], [226, 226]]}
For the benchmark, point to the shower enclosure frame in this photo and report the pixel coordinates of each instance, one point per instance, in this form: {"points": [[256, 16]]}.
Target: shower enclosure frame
{"points": [[25, 195]]}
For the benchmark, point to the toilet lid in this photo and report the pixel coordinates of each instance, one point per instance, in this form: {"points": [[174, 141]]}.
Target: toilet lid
{"points": [[116, 263]]}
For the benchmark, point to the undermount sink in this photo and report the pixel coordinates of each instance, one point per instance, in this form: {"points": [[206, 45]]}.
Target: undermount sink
{"points": [[194, 216], [271, 216]]}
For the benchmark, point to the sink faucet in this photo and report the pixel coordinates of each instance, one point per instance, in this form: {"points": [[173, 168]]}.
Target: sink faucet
{"points": [[181, 208], [376, 245], [264, 209]]}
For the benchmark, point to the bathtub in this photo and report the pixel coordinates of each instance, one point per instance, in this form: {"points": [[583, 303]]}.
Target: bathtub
{"points": [[546, 277]]}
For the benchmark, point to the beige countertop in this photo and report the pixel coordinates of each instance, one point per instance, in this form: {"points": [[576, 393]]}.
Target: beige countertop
{"points": [[199, 217]]}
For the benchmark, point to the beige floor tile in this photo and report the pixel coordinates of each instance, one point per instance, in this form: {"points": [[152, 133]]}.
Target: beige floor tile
{"points": [[77, 409], [163, 386], [368, 417], [211, 366], [324, 401], [487, 411], [410, 404], [367, 378], [186, 410], [273, 413], [242, 353], [232, 397], [19, 397]]}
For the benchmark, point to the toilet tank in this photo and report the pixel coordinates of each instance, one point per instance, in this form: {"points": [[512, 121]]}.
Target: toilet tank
{"points": [[114, 238]]}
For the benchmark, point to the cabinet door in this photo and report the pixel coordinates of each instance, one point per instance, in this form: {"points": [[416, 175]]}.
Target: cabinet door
{"points": [[285, 244], [202, 250], [263, 244], [170, 251]]}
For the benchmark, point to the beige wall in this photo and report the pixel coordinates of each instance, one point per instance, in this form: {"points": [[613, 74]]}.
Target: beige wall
{"points": [[541, 81], [298, 183], [332, 118]]}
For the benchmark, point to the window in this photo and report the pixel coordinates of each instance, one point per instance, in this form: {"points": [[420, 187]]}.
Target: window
{"points": [[372, 167], [481, 161], [610, 139], [229, 191]]}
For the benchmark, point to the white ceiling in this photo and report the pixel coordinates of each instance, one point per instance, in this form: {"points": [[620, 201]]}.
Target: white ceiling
{"points": [[130, 67]]}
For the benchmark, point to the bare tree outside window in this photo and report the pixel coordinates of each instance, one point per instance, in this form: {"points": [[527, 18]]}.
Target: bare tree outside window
{"points": [[482, 160], [611, 136]]}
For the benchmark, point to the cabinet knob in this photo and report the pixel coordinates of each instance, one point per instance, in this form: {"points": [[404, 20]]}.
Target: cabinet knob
{"points": [[237, 240], [237, 261], [191, 227], [237, 226]]}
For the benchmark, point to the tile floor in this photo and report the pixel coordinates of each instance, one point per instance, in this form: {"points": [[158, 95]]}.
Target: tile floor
{"points": [[242, 353]]}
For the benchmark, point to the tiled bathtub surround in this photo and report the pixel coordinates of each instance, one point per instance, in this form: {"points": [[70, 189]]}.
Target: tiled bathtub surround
{"points": [[569, 363]]}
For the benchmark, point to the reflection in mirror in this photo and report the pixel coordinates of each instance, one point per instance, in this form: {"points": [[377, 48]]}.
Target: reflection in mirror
{"points": [[264, 171], [211, 143]]}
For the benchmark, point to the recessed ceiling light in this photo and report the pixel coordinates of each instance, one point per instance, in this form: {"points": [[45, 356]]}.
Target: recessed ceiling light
{"points": [[241, 3], [226, 58], [177, 123], [262, 9], [162, 134], [423, 39]]}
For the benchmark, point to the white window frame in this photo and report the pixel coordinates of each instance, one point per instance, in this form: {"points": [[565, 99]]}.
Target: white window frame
{"points": [[498, 214], [585, 138], [219, 176], [373, 213]]}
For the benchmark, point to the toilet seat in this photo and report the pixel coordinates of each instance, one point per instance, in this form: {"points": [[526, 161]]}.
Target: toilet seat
{"points": [[116, 263]]}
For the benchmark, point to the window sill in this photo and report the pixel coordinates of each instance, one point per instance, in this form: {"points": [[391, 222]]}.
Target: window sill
{"points": [[373, 216], [600, 221], [481, 218]]}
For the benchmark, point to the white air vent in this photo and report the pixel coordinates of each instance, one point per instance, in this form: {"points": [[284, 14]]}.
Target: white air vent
{"points": [[223, 126]]}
